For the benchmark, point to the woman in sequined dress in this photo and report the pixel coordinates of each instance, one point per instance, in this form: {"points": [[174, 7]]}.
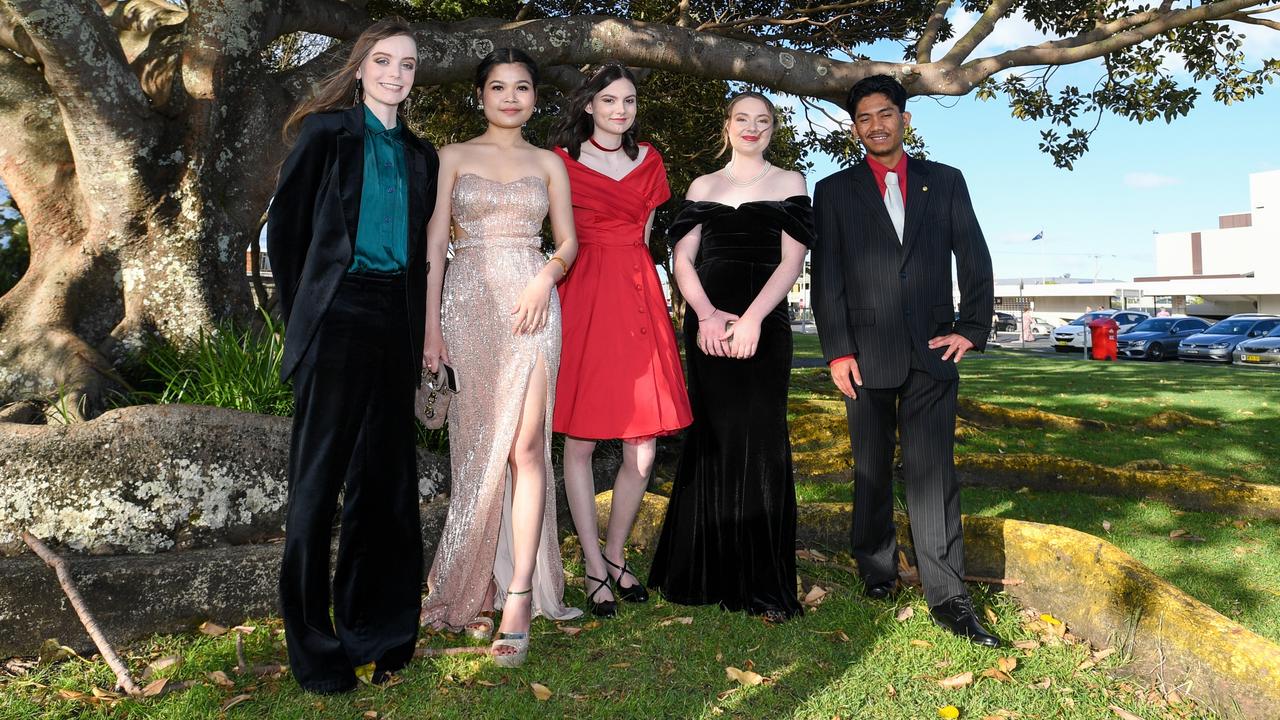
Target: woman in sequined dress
{"points": [[497, 323]]}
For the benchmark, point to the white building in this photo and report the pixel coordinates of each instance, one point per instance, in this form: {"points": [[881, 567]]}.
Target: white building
{"points": [[1229, 269]]}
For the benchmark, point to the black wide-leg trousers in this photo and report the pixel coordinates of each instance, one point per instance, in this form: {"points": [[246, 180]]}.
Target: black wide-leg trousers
{"points": [[922, 414], [353, 432]]}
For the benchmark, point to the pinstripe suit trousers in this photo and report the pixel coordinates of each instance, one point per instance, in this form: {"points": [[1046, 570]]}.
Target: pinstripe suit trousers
{"points": [[922, 413]]}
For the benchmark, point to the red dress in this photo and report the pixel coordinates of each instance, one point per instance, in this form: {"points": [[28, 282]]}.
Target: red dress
{"points": [[620, 374]]}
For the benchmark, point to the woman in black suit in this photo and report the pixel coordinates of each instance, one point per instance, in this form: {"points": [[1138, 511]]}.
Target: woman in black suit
{"points": [[345, 235]]}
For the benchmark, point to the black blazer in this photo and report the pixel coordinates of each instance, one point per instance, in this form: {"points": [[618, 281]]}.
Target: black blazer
{"points": [[311, 224], [876, 298]]}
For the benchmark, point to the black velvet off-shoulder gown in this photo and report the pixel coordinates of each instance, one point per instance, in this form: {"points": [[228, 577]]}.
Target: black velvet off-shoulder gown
{"points": [[730, 529]]}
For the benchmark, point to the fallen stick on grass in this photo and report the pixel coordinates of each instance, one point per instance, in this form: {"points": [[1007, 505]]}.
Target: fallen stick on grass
{"points": [[123, 678]]}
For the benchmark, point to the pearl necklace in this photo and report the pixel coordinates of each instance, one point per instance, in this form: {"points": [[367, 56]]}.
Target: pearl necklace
{"points": [[728, 171]]}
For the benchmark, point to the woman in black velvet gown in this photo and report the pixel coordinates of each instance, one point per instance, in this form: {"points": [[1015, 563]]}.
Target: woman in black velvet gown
{"points": [[729, 533]]}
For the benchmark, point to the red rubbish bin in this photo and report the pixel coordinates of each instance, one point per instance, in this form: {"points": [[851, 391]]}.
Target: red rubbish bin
{"points": [[1102, 333]]}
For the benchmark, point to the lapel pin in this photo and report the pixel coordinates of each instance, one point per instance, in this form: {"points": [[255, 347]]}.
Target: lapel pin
{"points": [[924, 188]]}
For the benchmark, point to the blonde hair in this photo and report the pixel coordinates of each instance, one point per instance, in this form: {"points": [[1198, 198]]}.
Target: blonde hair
{"points": [[728, 115], [338, 90]]}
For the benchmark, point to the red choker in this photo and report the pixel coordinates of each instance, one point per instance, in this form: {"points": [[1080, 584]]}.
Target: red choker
{"points": [[602, 148]]}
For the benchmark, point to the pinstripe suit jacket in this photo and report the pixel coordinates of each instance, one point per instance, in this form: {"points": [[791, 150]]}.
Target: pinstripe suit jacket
{"points": [[876, 298]]}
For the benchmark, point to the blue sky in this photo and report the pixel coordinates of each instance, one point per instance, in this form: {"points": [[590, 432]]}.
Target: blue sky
{"points": [[1100, 216]]}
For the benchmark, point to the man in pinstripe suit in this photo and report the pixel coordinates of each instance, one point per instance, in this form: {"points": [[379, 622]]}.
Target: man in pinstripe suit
{"points": [[887, 231]]}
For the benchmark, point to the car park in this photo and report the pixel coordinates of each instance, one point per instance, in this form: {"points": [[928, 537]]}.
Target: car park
{"points": [[1263, 350], [1157, 338], [1075, 334], [1217, 342]]}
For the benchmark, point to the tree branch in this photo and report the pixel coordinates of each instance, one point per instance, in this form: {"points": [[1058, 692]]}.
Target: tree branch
{"points": [[924, 46], [979, 32], [83, 62], [14, 37], [332, 18], [1248, 17], [123, 678], [1116, 35]]}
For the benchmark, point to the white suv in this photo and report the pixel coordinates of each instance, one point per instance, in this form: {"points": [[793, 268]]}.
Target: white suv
{"points": [[1076, 333]]}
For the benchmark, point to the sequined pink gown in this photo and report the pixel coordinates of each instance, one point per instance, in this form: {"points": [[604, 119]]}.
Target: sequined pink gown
{"points": [[496, 251]]}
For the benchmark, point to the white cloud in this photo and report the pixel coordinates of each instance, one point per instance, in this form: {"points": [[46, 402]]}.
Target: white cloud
{"points": [[1149, 180]]}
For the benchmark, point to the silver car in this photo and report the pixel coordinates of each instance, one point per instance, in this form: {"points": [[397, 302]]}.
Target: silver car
{"points": [[1217, 343], [1264, 351]]}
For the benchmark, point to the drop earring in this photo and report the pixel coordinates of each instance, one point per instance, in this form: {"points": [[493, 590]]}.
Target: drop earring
{"points": [[359, 92]]}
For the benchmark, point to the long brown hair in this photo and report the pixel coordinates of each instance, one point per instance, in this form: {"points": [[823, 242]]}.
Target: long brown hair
{"points": [[338, 90], [728, 115], [576, 125]]}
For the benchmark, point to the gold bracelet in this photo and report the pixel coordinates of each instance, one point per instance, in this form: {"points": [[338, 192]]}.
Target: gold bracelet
{"points": [[563, 264]]}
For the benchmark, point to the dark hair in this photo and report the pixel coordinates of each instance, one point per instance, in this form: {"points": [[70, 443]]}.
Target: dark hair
{"points": [[882, 84], [338, 90], [505, 56], [576, 125], [728, 115]]}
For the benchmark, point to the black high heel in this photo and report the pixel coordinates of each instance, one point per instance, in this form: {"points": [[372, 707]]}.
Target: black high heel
{"points": [[607, 608], [630, 593]]}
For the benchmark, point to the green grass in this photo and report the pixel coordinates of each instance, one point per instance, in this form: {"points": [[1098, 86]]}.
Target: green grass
{"points": [[1245, 404], [805, 347], [839, 660], [1234, 570], [641, 666]]}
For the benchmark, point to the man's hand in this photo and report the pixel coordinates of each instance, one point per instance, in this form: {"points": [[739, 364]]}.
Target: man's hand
{"points": [[845, 374], [956, 345]]}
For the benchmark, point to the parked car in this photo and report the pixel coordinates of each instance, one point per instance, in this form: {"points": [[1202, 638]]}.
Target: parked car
{"points": [[1264, 350], [1039, 328], [1075, 334], [1006, 322], [1218, 341], [1157, 338]]}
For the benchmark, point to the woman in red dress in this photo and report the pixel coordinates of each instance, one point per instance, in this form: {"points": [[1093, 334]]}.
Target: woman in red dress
{"points": [[620, 374]]}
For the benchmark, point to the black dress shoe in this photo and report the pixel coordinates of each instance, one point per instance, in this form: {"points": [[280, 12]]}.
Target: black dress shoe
{"points": [[956, 614], [631, 593], [882, 590]]}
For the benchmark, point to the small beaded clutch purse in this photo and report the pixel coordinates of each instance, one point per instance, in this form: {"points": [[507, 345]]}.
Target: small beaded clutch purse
{"points": [[434, 393]]}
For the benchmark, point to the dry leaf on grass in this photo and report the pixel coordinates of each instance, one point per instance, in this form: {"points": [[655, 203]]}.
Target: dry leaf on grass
{"points": [[997, 675], [1027, 645], [1043, 683], [922, 643], [684, 620], [906, 613], [1007, 664], [235, 701], [956, 682], [814, 555], [163, 663], [1046, 617], [1106, 526], [815, 596], [540, 691], [991, 615], [1103, 654], [621, 665], [569, 630], [746, 678], [1241, 524], [245, 629], [155, 687], [211, 628], [1122, 713], [949, 712], [369, 715], [220, 678]]}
